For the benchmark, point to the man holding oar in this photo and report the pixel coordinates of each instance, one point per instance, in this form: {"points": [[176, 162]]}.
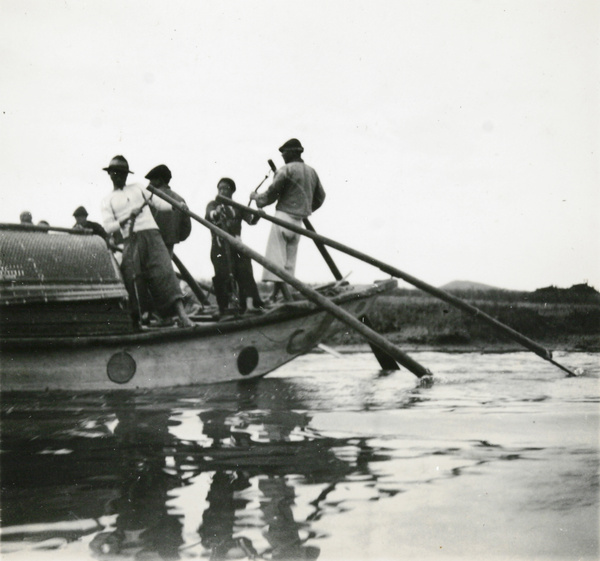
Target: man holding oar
{"points": [[233, 270], [298, 191], [146, 264], [174, 226]]}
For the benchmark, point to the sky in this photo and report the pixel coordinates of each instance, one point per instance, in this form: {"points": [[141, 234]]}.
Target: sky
{"points": [[455, 139]]}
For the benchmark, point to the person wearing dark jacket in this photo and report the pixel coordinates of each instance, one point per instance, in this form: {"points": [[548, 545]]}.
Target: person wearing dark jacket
{"points": [[174, 225], [82, 223], [231, 267]]}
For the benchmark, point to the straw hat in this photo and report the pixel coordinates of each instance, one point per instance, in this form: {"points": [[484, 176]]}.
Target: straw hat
{"points": [[118, 163]]}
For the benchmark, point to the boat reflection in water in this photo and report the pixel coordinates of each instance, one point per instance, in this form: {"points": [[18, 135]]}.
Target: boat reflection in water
{"points": [[136, 465]]}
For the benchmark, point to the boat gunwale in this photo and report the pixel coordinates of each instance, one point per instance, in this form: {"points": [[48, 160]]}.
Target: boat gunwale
{"points": [[285, 312]]}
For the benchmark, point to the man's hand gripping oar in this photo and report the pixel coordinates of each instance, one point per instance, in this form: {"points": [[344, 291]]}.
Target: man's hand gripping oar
{"points": [[255, 218], [134, 214]]}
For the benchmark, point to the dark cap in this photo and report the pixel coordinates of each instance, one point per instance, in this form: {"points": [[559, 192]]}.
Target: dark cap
{"points": [[160, 172], [80, 211], [292, 145], [118, 163], [229, 182]]}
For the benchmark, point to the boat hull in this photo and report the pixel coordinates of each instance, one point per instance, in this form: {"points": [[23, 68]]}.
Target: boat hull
{"points": [[217, 352]]}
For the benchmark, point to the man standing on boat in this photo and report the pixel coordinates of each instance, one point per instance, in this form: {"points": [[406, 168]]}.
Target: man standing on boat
{"points": [[146, 265], [174, 225], [298, 191], [231, 267]]}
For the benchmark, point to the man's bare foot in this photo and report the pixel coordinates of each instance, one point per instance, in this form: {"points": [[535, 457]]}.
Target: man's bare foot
{"points": [[186, 322]]}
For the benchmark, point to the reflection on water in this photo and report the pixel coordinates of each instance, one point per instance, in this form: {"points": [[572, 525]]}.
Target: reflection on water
{"points": [[320, 462], [114, 460]]}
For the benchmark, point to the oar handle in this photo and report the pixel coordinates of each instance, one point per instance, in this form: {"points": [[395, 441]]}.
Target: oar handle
{"points": [[272, 166], [310, 294], [441, 294]]}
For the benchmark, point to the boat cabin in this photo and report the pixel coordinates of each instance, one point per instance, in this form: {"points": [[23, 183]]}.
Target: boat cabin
{"points": [[55, 283]]}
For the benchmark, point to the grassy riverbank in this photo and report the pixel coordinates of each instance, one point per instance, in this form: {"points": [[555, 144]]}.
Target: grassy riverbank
{"points": [[560, 319]]}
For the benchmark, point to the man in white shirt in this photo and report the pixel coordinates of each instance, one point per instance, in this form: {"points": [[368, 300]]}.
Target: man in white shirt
{"points": [[146, 266]]}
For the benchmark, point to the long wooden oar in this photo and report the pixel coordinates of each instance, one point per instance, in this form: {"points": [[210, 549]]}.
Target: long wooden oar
{"points": [[441, 294], [386, 361], [191, 281], [312, 295], [324, 253]]}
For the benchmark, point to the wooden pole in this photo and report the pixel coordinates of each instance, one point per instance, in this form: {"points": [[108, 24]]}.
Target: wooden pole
{"points": [[323, 251], [386, 361], [191, 281], [441, 294], [312, 295]]}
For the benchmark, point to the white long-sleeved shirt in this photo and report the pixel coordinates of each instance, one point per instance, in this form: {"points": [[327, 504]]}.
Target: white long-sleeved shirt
{"points": [[118, 206]]}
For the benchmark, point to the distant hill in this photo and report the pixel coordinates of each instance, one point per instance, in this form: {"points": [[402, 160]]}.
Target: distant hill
{"points": [[468, 285], [578, 293]]}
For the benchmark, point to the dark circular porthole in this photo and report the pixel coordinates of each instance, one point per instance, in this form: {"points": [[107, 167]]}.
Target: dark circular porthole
{"points": [[121, 367], [247, 361]]}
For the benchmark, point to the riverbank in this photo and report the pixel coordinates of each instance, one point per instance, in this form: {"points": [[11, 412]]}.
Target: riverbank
{"points": [[418, 322], [490, 348]]}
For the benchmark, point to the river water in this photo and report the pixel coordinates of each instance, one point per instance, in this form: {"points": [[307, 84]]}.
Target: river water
{"points": [[327, 458]]}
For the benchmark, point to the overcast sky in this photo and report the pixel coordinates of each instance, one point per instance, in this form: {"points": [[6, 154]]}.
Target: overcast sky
{"points": [[456, 139]]}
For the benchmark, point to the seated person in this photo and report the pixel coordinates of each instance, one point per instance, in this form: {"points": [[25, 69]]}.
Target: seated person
{"points": [[25, 218], [81, 223]]}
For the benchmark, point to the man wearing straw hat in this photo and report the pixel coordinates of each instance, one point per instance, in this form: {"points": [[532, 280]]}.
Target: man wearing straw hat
{"points": [[298, 191], [146, 266]]}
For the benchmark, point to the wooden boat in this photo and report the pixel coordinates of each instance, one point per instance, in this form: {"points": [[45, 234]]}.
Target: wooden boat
{"points": [[66, 326]]}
